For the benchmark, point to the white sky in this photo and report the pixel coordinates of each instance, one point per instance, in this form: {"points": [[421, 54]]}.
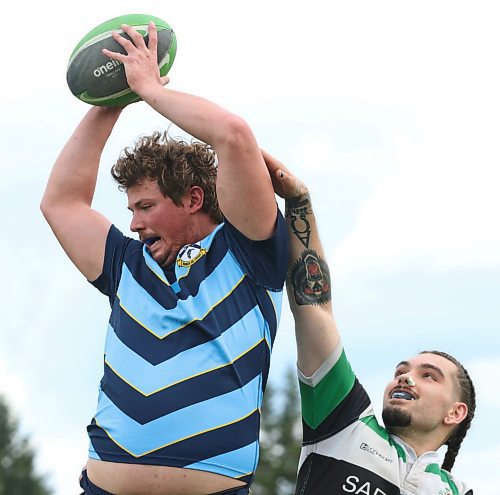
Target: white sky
{"points": [[388, 109]]}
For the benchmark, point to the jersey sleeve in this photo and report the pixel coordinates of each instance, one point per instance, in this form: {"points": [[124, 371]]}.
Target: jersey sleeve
{"points": [[265, 261], [114, 255], [332, 398]]}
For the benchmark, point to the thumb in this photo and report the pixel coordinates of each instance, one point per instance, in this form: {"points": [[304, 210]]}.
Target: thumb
{"points": [[282, 175], [288, 184], [292, 186], [164, 80]]}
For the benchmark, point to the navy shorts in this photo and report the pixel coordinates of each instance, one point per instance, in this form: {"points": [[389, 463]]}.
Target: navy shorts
{"points": [[90, 489], [243, 490]]}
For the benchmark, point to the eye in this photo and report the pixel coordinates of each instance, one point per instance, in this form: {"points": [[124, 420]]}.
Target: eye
{"points": [[429, 375]]}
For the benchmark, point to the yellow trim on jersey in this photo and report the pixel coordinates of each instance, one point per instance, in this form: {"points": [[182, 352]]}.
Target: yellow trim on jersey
{"points": [[175, 441], [186, 324], [184, 379]]}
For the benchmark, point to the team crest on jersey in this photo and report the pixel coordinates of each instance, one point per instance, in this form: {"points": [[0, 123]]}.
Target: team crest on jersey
{"points": [[190, 254]]}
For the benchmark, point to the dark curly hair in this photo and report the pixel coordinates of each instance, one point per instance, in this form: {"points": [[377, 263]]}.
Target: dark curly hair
{"points": [[175, 164], [468, 396]]}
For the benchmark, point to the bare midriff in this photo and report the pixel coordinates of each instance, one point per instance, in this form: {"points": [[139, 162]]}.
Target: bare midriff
{"points": [[141, 479]]}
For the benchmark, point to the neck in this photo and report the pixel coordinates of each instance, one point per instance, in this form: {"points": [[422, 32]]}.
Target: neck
{"points": [[198, 229], [421, 442], [204, 225]]}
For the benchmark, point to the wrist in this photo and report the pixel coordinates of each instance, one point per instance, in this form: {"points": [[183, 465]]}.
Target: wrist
{"points": [[149, 91], [102, 112], [299, 201]]}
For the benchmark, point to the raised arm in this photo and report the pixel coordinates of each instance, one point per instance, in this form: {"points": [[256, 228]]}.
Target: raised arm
{"points": [[308, 279], [66, 204], [244, 189]]}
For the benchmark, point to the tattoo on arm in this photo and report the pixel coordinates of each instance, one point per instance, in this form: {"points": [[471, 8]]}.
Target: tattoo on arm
{"points": [[298, 210], [310, 279]]}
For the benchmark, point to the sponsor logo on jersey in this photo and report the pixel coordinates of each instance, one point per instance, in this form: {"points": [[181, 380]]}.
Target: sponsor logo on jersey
{"points": [[190, 254], [371, 450], [353, 484]]}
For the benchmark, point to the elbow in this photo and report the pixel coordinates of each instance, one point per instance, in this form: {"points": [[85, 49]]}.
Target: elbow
{"points": [[235, 132], [51, 208], [44, 206], [47, 208]]}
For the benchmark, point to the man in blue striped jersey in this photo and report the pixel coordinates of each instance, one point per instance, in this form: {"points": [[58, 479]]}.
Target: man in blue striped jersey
{"points": [[429, 403], [195, 302]]}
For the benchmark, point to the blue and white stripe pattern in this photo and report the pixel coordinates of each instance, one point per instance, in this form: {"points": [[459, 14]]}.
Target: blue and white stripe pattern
{"points": [[187, 352]]}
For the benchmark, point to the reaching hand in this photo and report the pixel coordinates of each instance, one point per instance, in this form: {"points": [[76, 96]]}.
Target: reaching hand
{"points": [[141, 61], [285, 184]]}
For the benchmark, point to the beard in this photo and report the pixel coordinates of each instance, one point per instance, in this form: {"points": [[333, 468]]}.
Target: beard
{"points": [[395, 419]]}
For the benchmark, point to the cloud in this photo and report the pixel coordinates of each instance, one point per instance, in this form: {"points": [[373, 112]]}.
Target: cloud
{"points": [[439, 205], [483, 371], [472, 464], [13, 388], [70, 456]]}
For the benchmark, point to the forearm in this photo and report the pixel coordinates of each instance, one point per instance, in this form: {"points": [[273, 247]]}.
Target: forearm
{"points": [[73, 177], [198, 116], [309, 287], [309, 277], [243, 183]]}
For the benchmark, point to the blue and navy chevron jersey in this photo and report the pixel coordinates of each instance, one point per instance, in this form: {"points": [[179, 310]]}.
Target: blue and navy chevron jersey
{"points": [[187, 351]]}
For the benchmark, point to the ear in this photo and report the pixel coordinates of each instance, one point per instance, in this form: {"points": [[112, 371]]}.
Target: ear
{"points": [[456, 414], [196, 196]]}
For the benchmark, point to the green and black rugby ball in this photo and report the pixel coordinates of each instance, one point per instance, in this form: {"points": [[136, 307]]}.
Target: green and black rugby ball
{"points": [[98, 80]]}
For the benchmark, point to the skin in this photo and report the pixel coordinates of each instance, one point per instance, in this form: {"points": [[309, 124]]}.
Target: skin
{"points": [[437, 409], [154, 215]]}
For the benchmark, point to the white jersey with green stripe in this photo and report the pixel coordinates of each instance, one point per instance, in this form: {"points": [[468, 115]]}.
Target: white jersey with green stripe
{"points": [[346, 450]]}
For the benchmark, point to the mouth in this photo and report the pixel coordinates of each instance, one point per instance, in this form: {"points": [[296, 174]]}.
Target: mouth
{"points": [[151, 241], [401, 395]]}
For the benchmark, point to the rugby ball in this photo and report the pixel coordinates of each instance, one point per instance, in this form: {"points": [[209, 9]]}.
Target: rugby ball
{"points": [[98, 80]]}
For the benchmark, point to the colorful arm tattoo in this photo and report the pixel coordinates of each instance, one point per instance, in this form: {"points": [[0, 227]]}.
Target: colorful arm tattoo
{"points": [[310, 279]]}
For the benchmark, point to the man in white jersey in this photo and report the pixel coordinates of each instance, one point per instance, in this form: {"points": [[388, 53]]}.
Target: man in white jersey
{"points": [[429, 402]]}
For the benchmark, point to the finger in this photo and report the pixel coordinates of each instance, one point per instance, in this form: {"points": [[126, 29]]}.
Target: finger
{"points": [[164, 80], [114, 55], [153, 38], [135, 36], [273, 163], [124, 42]]}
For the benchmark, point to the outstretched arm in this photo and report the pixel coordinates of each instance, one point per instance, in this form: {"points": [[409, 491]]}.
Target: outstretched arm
{"points": [[66, 204], [308, 279], [244, 189]]}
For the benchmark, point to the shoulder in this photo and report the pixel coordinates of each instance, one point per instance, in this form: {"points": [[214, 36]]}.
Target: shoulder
{"points": [[265, 261], [119, 249], [332, 395]]}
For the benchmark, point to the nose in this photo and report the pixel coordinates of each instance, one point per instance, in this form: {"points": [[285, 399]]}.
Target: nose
{"points": [[136, 225], [406, 378]]}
